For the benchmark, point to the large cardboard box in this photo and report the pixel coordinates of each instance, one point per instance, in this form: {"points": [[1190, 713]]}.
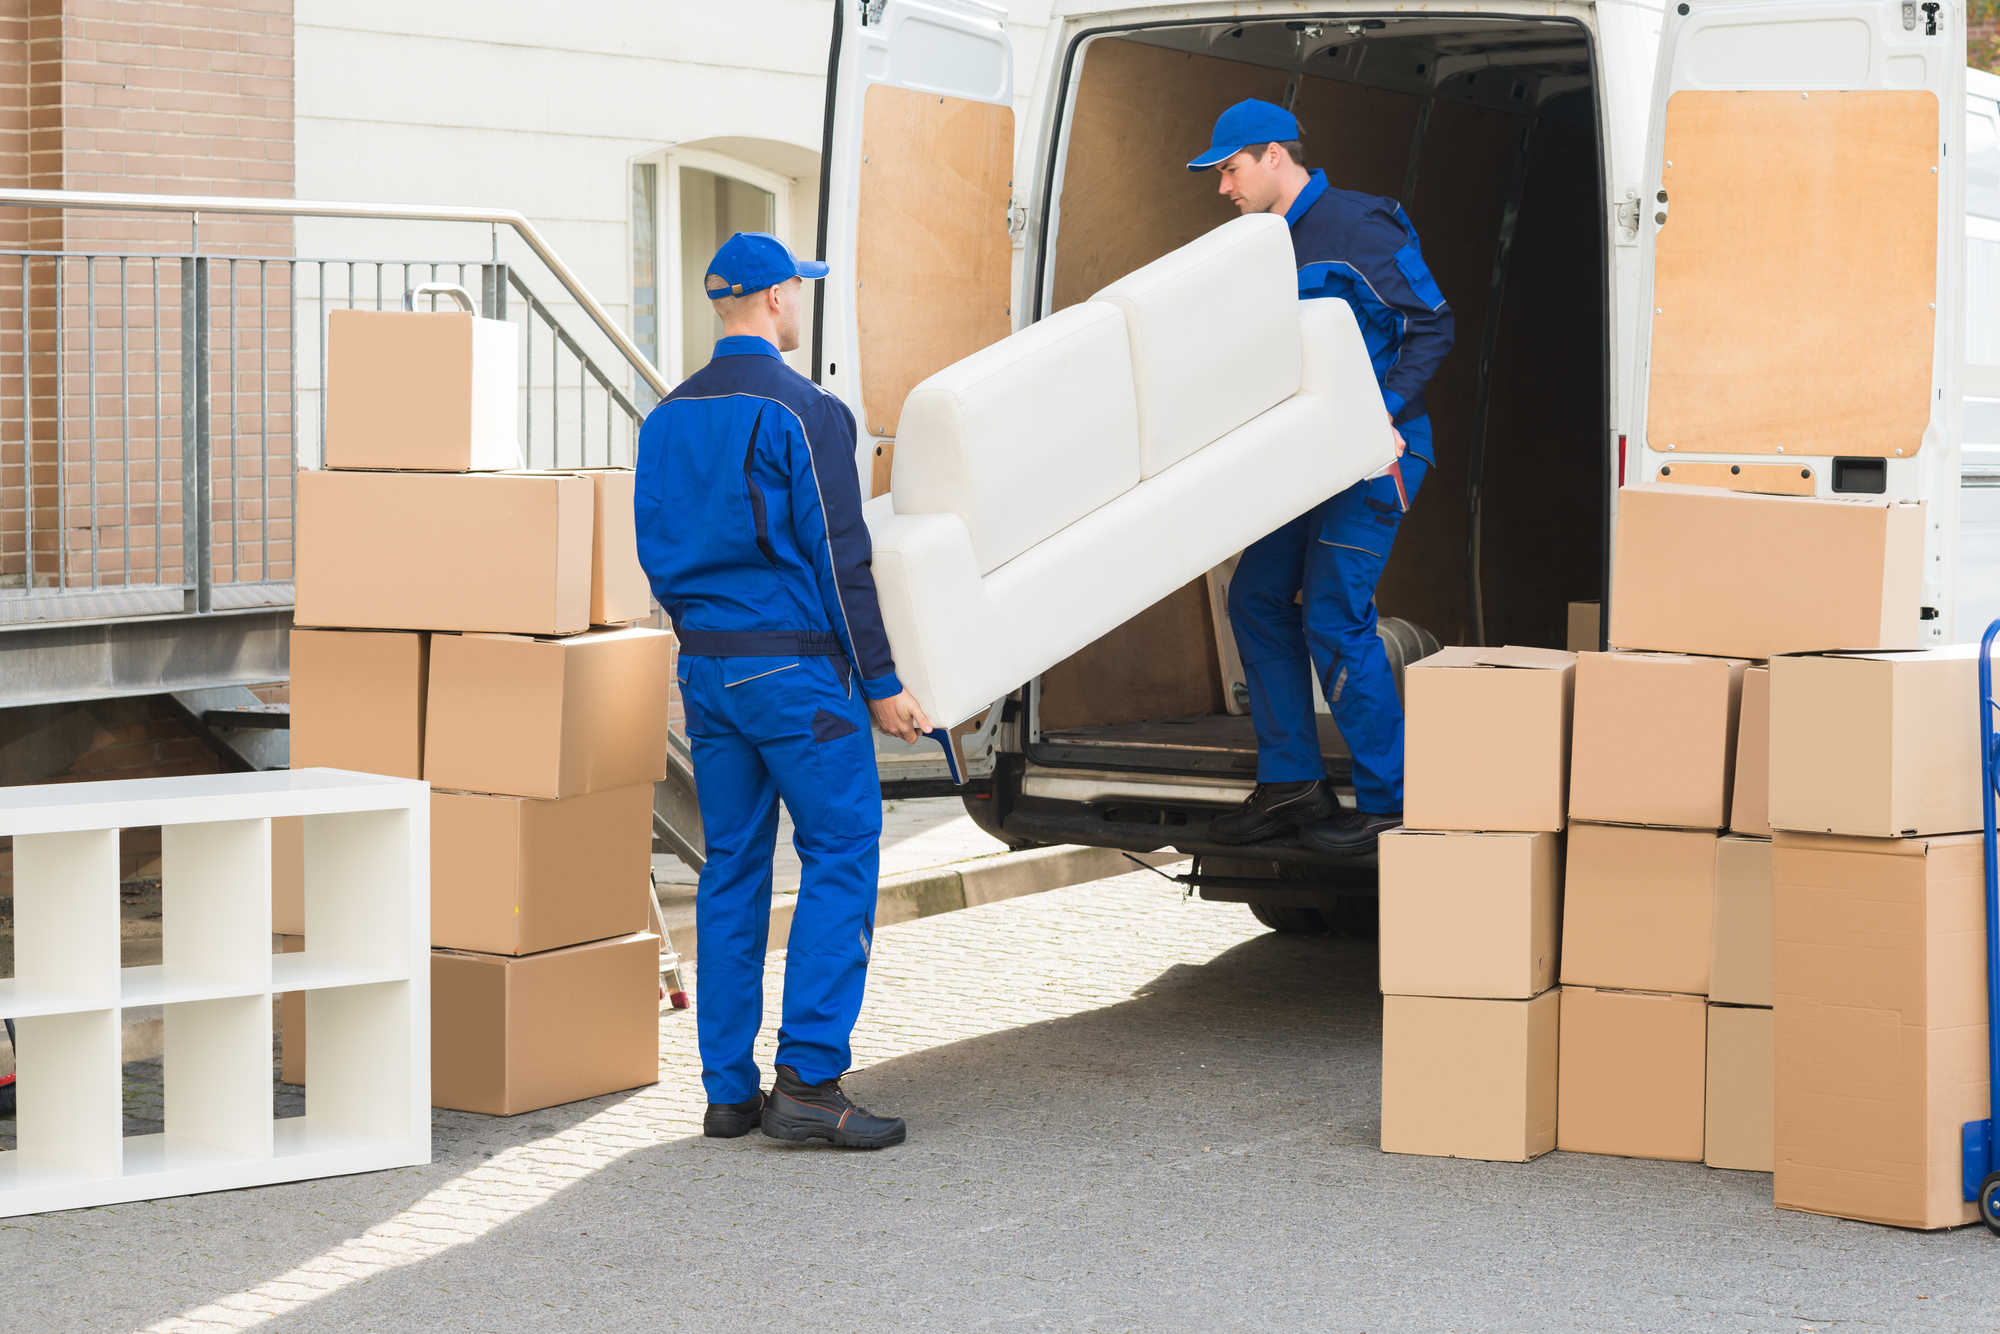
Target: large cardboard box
{"points": [[505, 552], [1486, 739], [513, 875], [1698, 569], [417, 390], [1473, 915], [292, 1020], [1750, 793], [1741, 1058], [1633, 1073], [1655, 739], [1878, 744], [288, 875], [619, 593], [1638, 908], [511, 1035], [548, 717], [1880, 982], [358, 700], [1740, 965], [1469, 1078]]}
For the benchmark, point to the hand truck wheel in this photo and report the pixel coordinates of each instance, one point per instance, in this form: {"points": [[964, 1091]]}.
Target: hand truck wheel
{"points": [[1989, 1201]]}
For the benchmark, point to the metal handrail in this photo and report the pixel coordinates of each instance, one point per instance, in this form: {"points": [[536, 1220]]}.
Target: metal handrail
{"points": [[304, 208]]}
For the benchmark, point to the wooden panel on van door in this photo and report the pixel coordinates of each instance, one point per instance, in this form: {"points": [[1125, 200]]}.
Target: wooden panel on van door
{"points": [[1127, 195], [933, 262], [1795, 273]]}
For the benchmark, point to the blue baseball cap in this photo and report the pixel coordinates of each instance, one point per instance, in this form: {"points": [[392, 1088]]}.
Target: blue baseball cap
{"points": [[753, 261], [1248, 122]]}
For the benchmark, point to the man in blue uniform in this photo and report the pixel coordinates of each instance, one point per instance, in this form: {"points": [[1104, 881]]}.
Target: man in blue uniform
{"points": [[1362, 249], [749, 523]]}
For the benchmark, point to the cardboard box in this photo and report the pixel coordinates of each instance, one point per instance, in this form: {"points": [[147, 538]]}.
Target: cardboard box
{"points": [[417, 390], [512, 1035], [1741, 1060], [1750, 792], [1486, 739], [292, 1021], [1473, 915], [1655, 739], [1698, 569], [548, 717], [1586, 621], [503, 552], [619, 592], [358, 700], [512, 875], [1740, 965], [1880, 982], [288, 875], [1638, 908], [1633, 1074], [1883, 745], [1469, 1078]]}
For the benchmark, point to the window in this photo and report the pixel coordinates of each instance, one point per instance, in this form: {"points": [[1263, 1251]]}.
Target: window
{"points": [[685, 204]]}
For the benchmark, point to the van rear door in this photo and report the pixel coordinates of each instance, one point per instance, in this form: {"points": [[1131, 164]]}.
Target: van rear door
{"points": [[917, 178], [1802, 230]]}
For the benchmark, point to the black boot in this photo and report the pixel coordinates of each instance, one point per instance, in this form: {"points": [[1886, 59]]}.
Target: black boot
{"points": [[727, 1120], [798, 1111], [1350, 833], [1274, 809]]}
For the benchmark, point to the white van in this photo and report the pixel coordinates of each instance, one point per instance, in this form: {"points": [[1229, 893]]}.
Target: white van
{"points": [[1721, 243]]}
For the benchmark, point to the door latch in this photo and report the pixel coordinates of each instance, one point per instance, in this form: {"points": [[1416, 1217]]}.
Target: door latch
{"points": [[1017, 222], [1628, 215], [1909, 15], [1930, 17]]}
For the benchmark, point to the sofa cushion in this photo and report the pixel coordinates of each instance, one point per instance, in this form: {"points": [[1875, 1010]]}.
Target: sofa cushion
{"points": [[1024, 437], [1215, 336]]}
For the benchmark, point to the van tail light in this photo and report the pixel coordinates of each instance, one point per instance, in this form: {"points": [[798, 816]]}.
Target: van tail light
{"points": [[1621, 461]]}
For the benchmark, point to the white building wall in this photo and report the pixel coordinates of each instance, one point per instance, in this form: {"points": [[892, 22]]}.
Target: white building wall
{"points": [[542, 108]]}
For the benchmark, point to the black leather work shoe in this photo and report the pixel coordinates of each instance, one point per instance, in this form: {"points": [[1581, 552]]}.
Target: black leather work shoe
{"points": [[1350, 833], [798, 1112], [1274, 809], [727, 1120]]}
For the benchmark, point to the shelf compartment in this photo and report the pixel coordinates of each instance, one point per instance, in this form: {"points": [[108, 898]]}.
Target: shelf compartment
{"points": [[149, 1155], [25, 1000], [299, 1136], [307, 971], [164, 984]]}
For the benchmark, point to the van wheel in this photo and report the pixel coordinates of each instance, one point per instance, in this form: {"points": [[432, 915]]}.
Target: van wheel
{"points": [[1405, 642], [1288, 921], [1354, 915]]}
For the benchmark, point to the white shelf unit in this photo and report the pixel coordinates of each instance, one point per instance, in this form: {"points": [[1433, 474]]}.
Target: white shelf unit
{"points": [[366, 979]]}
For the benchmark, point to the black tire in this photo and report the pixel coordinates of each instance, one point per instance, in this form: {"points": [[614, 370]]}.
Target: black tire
{"points": [[1288, 921], [1989, 1201], [1355, 915]]}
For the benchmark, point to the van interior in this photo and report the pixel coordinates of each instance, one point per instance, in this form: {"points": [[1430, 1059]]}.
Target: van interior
{"points": [[1486, 131]]}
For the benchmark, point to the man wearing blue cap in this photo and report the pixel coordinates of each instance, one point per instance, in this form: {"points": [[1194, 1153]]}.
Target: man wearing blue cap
{"points": [[1362, 249], [749, 524]]}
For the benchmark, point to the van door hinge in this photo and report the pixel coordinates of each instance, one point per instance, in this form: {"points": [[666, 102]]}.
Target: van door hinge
{"points": [[1017, 222], [1628, 215]]}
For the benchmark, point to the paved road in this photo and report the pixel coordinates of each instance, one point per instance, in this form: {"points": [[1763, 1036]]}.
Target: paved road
{"points": [[1130, 1114]]}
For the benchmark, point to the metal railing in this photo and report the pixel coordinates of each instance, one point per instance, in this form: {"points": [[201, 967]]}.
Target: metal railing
{"points": [[154, 407]]}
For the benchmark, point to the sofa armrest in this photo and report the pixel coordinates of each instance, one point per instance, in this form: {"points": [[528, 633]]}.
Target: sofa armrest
{"points": [[1338, 372], [950, 651]]}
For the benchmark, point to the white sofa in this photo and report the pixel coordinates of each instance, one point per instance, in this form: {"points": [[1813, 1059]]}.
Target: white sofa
{"points": [[1054, 485]]}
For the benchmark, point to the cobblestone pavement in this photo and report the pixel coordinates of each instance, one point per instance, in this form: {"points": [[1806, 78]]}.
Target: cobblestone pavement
{"points": [[1128, 1112]]}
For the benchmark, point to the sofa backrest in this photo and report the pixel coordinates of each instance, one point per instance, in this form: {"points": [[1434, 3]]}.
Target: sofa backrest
{"points": [[1215, 336], [1025, 437]]}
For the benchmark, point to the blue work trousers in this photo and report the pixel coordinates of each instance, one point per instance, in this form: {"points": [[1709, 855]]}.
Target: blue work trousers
{"points": [[762, 729], [1303, 601]]}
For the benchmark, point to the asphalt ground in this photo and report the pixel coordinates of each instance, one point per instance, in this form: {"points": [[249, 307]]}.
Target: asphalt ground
{"points": [[1127, 1112]]}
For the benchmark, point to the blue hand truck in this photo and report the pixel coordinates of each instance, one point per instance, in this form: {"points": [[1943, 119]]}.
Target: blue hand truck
{"points": [[1982, 1172]]}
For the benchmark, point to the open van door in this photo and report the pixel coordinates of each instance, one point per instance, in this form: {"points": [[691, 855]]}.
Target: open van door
{"points": [[1802, 237], [917, 179]]}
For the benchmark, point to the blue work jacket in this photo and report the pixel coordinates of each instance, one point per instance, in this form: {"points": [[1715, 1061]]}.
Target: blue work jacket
{"points": [[749, 509], [1362, 249]]}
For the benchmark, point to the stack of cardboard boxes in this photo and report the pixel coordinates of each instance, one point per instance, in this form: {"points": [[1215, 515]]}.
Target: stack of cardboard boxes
{"points": [[1471, 892], [1880, 932], [471, 625]]}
